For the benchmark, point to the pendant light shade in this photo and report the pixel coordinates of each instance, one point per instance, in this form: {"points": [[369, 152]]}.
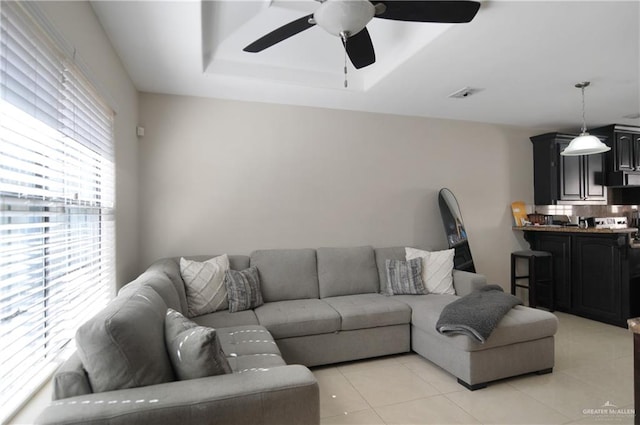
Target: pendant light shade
{"points": [[584, 144]]}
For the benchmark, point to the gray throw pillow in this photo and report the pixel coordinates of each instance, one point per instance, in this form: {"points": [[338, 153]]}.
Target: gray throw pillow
{"points": [[195, 351], [243, 289], [405, 277]]}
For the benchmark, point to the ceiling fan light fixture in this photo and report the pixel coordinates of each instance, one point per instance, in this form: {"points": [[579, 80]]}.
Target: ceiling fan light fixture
{"points": [[348, 19], [344, 17], [584, 144]]}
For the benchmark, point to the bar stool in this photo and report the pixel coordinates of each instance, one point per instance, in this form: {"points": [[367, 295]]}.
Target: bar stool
{"points": [[540, 277]]}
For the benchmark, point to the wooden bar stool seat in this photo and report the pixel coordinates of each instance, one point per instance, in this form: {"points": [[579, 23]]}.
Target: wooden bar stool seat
{"points": [[539, 277]]}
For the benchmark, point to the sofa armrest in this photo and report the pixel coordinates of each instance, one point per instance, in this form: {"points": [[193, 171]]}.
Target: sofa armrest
{"points": [[71, 379], [279, 395], [466, 282]]}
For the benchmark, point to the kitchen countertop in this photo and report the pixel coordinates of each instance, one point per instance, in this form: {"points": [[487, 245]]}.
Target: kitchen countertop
{"points": [[573, 229]]}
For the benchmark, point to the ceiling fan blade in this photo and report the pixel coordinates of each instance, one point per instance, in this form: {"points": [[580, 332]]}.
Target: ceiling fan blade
{"points": [[360, 49], [445, 11], [280, 34]]}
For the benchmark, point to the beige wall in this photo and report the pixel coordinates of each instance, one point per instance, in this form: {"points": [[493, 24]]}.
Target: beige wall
{"points": [[222, 176]]}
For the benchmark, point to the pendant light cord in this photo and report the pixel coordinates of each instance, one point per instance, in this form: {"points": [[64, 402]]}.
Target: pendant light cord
{"points": [[582, 86], [584, 121], [346, 83], [344, 36]]}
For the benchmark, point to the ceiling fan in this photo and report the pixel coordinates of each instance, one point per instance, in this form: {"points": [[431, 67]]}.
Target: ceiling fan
{"points": [[347, 19]]}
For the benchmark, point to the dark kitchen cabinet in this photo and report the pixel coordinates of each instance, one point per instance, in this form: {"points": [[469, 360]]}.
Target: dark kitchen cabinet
{"points": [[591, 272], [570, 175], [626, 152], [623, 160], [565, 179], [598, 273], [560, 247], [594, 180]]}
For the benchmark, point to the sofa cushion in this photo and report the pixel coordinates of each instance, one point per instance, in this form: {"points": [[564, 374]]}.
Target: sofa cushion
{"points": [[226, 319], [437, 269], [285, 319], [240, 341], [250, 348], [170, 267], [204, 284], [518, 325], [160, 283], [383, 254], [254, 362], [347, 271], [243, 289], [287, 274], [195, 351], [405, 277], [122, 346], [369, 311]]}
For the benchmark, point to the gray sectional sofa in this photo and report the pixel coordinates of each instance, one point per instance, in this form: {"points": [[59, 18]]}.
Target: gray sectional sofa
{"points": [[322, 306]]}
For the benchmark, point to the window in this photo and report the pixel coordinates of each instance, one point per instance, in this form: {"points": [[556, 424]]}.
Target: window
{"points": [[56, 203]]}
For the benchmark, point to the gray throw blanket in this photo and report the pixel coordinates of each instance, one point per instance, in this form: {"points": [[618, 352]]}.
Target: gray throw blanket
{"points": [[476, 314]]}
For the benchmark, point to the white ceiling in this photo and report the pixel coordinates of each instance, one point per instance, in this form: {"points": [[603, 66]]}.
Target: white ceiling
{"points": [[524, 56]]}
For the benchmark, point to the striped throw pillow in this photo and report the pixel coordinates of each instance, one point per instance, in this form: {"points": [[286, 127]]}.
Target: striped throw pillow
{"points": [[243, 289], [195, 351], [437, 269], [405, 277], [204, 284]]}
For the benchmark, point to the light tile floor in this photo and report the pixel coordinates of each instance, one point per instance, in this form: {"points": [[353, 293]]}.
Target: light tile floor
{"points": [[593, 373]]}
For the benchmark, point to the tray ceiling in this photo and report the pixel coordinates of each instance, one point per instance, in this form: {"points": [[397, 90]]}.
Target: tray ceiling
{"points": [[522, 57]]}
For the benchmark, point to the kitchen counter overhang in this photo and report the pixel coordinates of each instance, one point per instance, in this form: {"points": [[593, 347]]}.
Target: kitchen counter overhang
{"points": [[626, 235], [573, 229]]}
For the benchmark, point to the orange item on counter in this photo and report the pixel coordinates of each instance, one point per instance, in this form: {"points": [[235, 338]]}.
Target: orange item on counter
{"points": [[519, 212]]}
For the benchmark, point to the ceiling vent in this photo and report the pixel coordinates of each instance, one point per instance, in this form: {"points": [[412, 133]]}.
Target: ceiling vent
{"points": [[464, 92]]}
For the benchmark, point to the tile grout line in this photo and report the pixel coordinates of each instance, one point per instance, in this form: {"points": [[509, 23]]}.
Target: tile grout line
{"points": [[362, 396], [374, 409], [462, 408], [543, 403], [404, 401]]}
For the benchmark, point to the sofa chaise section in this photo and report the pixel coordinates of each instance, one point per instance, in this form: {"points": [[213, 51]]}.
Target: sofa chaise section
{"points": [[521, 343]]}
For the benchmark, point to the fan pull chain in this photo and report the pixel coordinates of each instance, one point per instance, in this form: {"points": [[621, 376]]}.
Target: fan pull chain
{"points": [[346, 83]]}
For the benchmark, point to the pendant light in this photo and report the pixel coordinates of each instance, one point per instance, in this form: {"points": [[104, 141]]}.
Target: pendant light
{"points": [[584, 144]]}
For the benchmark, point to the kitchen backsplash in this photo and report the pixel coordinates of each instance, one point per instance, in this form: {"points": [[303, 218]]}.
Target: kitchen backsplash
{"points": [[574, 211]]}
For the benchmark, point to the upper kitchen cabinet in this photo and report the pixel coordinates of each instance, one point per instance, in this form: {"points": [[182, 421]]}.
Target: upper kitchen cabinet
{"points": [[566, 179], [623, 160]]}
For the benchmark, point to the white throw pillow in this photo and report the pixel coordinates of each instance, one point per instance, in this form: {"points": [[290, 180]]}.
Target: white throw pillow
{"points": [[437, 269], [204, 284]]}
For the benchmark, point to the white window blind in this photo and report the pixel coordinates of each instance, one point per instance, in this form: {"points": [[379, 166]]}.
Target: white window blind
{"points": [[56, 203]]}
